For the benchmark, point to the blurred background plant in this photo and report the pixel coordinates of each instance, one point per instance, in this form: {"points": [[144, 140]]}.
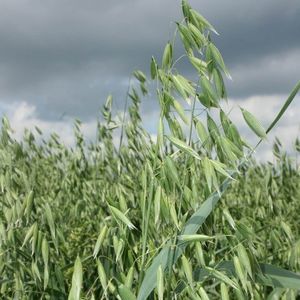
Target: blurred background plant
{"points": [[131, 217]]}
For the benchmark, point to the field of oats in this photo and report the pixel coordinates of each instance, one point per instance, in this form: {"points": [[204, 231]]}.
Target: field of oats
{"points": [[190, 215]]}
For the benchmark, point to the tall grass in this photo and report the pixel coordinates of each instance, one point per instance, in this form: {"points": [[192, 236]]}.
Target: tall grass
{"points": [[189, 216]]}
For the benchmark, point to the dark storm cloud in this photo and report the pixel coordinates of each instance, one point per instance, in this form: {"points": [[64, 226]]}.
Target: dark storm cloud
{"points": [[66, 56]]}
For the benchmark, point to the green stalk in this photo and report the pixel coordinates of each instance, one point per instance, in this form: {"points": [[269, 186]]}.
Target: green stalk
{"points": [[124, 114], [172, 250], [145, 229]]}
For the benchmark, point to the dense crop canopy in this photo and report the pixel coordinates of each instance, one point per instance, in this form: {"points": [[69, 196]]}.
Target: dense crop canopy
{"points": [[188, 216]]}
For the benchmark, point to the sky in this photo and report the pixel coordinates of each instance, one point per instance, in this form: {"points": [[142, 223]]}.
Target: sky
{"points": [[59, 59]]}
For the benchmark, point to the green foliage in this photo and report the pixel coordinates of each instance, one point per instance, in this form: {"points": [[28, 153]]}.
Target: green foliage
{"points": [[189, 216]]}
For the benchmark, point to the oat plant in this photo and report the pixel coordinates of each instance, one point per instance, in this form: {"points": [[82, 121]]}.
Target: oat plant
{"points": [[189, 215]]}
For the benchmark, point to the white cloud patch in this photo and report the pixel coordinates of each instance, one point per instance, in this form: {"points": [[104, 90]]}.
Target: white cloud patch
{"points": [[24, 116], [265, 109]]}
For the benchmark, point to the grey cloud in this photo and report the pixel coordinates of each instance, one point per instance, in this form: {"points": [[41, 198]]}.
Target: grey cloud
{"points": [[66, 56], [272, 74]]}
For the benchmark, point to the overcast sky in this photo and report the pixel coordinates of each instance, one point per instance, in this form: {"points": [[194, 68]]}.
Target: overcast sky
{"points": [[60, 58]]}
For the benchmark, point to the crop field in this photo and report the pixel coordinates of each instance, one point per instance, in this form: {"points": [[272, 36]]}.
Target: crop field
{"points": [[188, 215]]}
